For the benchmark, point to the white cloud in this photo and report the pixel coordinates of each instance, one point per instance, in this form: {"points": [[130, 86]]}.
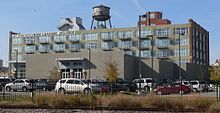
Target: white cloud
{"points": [[138, 5]]}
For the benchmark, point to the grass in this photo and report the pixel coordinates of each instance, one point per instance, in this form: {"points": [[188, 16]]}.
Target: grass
{"points": [[55, 100]]}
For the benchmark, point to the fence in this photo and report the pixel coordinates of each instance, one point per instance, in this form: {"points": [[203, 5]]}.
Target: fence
{"points": [[29, 89]]}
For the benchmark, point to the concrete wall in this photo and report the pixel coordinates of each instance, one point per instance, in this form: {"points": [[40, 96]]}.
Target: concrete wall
{"points": [[39, 65], [195, 71], [161, 69], [130, 67]]}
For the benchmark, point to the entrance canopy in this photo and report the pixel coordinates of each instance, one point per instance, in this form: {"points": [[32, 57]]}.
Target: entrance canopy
{"points": [[72, 67], [70, 59]]}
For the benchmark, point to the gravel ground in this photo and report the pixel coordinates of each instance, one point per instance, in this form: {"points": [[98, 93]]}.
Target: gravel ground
{"points": [[70, 111]]}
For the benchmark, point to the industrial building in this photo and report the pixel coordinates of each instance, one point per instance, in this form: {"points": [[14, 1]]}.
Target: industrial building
{"points": [[80, 53]]}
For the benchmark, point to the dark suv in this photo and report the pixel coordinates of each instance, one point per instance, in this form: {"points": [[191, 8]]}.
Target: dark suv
{"points": [[4, 81]]}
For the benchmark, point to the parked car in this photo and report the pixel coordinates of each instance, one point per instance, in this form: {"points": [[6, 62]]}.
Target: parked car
{"points": [[21, 84], [97, 86], [185, 83], [72, 85], [199, 85], [42, 84], [146, 83], [172, 89], [4, 81], [122, 85]]}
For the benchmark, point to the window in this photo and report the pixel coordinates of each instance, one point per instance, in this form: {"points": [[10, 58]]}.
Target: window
{"points": [[74, 37], [152, 15], [30, 49], [74, 47], [144, 33], [59, 47], [125, 35], [70, 82], [17, 40], [128, 52], [62, 81], [44, 39], [182, 30], [162, 53], [145, 43], [124, 44], [146, 54], [44, 48], [107, 35], [92, 36], [107, 45], [29, 40], [162, 42], [90, 45], [183, 41], [19, 48], [77, 82], [183, 52], [162, 32], [59, 38]]}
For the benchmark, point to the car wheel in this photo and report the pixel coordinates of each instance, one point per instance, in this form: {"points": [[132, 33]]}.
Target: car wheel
{"points": [[159, 93], [146, 88], [87, 91], [195, 90], [61, 90], [8, 88], [127, 89], [44, 89], [181, 92], [24, 89]]}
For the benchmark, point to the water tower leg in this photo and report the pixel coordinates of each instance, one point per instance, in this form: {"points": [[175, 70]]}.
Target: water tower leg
{"points": [[110, 23], [92, 23]]}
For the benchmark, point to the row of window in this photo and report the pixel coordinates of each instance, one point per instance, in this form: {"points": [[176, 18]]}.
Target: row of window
{"points": [[94, 36]]}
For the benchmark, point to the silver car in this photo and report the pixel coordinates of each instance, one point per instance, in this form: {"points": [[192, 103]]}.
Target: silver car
{"points": [[72, 85], [21, 84]]}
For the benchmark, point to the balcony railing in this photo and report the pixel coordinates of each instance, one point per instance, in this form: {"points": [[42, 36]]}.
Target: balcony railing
{"points": [[74, 49], [106, 48], [29, 42], [44, 50], [30, 51], [145, 46], [106, 38], [162, 46], [44, 41], [59, 39], [74, 40], [126, 47], [58, 50], [125, 37]]}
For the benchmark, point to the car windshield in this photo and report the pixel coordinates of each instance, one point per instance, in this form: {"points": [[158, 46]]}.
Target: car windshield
{"points": [[202, 82], [193, 83]]}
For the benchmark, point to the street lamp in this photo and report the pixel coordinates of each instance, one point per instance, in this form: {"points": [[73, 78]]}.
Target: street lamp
{"points": [[16, 67], [89, 61], [139, 49], [180, 76]]}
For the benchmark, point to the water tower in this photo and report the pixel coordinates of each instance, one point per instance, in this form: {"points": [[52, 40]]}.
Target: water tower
{"points": [[100, 16]]}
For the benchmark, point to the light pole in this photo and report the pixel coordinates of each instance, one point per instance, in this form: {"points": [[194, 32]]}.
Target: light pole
{"points": [[89, 61], [180, 76], [152, 60], [139, 49], [16, 67]]}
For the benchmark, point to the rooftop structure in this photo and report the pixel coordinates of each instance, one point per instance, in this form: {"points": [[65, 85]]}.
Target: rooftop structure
{"points": [[71, 24]]}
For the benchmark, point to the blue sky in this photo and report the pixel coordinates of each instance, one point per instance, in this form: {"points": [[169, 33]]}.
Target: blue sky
{"points": [[29, 16]]}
